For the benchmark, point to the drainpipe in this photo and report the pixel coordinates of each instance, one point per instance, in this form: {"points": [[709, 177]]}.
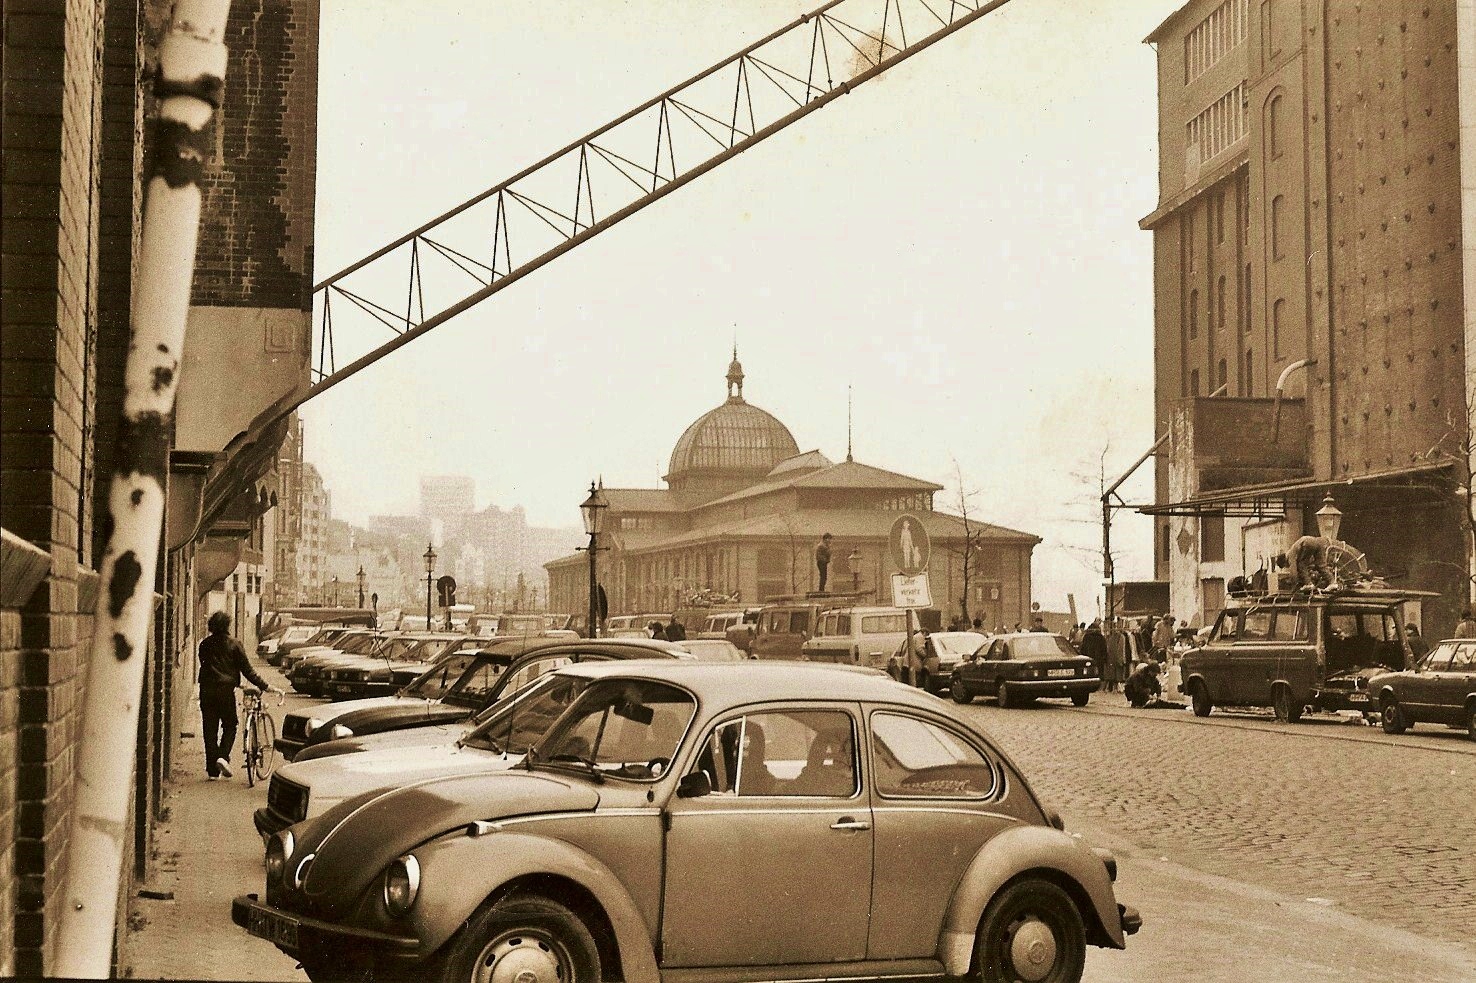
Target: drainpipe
{"points": [[1281, 385], [192, 65]]}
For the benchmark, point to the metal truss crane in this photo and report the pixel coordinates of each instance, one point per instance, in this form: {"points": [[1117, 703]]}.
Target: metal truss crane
{"points": [[495, 238]]}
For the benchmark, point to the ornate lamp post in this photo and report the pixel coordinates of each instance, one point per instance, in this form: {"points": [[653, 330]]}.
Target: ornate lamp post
{"points": [[1329, 519], [853, 564], [360, 576], [593, 510], [430, 568]]}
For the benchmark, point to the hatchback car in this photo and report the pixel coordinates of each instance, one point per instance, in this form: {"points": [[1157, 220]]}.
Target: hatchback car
{"points": [[1023, 666], [1440, 690], [657, 827]]}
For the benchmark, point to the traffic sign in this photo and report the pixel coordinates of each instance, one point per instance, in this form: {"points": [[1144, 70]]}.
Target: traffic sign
{"points": [[908, 545], [446, 590], [911, 592]]}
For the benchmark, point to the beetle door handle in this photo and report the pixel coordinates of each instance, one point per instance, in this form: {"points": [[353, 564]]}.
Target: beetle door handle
{"points": [[849, 824]]}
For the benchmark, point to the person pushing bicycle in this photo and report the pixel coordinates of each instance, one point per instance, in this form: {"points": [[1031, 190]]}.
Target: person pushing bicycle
{"points": [[222, 664]]}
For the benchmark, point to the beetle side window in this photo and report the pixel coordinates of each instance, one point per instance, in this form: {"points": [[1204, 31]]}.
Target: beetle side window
{"points": [[917, 758], [782, 753]]}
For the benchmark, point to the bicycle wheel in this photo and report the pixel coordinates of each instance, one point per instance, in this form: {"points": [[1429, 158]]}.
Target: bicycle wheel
{"points": [[249, 751], [265, 729]]}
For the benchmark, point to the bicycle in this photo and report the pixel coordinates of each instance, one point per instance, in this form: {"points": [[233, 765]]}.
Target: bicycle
{"points": [[259, 740]]}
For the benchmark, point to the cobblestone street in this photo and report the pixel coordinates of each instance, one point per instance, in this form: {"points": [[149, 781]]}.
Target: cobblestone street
{"points": [[1379, 826]]}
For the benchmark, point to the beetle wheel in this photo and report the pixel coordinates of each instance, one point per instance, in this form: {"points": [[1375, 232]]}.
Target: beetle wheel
{"points": [[523, 939], [1030, 933]]}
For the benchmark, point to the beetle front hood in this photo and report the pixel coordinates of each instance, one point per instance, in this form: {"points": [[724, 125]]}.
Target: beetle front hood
{"points": [[357, 838]]}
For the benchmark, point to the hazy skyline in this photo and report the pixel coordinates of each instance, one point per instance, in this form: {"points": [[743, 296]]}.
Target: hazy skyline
{"points": [[956, 240]]}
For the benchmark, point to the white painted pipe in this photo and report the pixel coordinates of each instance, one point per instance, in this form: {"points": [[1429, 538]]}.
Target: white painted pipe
{"points": [[192, 64], [1300, 363]]}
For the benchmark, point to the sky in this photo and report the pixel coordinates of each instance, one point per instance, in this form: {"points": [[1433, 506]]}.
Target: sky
{"points": [[956, 241]]}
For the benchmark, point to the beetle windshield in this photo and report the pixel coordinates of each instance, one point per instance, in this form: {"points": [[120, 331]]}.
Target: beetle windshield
{"points": [[622, 728], [519, 721]]}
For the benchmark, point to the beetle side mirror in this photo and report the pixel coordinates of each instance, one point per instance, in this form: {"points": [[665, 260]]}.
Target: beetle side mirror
{"points": [[694, 785]]}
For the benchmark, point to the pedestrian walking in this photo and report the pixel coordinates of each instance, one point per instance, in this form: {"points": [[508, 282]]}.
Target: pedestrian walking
{"points": [[1117, 656], [1163, 638], [1417, 647], [1094, 647], [1467, 627], [222, 664]]}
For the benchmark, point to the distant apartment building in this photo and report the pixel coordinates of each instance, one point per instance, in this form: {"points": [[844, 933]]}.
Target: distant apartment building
{"points": [[316, 510], [1309, 233], [448, 498]]}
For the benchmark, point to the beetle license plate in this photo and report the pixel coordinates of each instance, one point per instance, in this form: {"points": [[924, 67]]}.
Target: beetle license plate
{"points": [[1357, 697], [269, 925], [1053, 673]]}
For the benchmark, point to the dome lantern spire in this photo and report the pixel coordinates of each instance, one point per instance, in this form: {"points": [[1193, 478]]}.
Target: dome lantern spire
{"points": [[735, 378]]}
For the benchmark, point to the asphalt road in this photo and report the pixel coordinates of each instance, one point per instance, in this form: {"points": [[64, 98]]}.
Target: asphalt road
{"points": [[1319, 850]]}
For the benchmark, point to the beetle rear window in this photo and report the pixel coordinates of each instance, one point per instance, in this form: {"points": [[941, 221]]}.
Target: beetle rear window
{"points": [[917, 758]]}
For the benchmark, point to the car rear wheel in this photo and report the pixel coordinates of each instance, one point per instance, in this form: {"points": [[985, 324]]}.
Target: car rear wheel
{"points": [[1288, 710], [1393, 718], [522, 939], [1200, 699], [1080, 699], [959, 692], [1002, 695], [1471, 721], [1032, 932]]}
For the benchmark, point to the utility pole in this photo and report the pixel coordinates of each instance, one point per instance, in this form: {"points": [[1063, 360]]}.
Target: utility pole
{"points": [[191, 76]]}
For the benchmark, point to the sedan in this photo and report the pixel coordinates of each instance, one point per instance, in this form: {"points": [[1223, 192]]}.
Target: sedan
{"points": [[1022, 666], [1440, 690], [654, 831]]}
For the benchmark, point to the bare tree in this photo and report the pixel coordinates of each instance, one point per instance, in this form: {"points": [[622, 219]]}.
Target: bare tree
{"points": [[968, 551], [1458, 446]]}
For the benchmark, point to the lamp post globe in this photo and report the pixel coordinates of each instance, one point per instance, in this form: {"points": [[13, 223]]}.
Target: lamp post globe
{"points": [[593, 510], [1329, 518], [430, 567]]}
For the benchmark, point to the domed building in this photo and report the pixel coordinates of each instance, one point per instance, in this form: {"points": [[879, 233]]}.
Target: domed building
{"points": [[743, 510]]}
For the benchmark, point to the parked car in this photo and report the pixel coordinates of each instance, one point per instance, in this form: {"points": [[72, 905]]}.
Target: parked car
{"points": [[1293, 651], [1441, 689], [943, 652], [865, 636], [1023, 666], [384, 673], [463, 684], [713, 649], [307, 673], [782, 629], [715, 624], [656, 826], [293, 637]]}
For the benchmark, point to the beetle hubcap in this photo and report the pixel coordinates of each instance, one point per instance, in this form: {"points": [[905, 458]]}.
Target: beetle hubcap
{"points": [[1033, 949], [523, 957]]}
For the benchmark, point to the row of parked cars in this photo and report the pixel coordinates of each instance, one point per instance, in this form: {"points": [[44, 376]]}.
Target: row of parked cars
{"points": [[570, 809]]}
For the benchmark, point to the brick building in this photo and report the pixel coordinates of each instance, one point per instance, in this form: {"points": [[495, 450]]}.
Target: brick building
{"points": [[72, 137], [1309, 232], [744, 509]]}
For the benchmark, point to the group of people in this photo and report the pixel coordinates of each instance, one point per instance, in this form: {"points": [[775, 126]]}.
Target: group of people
{"points": [[672, 632]]}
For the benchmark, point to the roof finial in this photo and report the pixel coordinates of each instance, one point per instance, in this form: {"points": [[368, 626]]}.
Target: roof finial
{"points": [[735, 377], [848, 423]]}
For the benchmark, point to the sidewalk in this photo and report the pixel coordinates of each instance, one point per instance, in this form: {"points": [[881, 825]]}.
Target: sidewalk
{"points": [[206, 853]]}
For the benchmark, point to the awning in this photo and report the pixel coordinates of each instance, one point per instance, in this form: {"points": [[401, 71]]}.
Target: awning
{"points": [[1275, 498]]}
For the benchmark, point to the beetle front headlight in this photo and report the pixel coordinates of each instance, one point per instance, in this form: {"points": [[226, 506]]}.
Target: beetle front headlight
{"points": [[401, 884], [313, 724], [340, 731], [279, 848]]}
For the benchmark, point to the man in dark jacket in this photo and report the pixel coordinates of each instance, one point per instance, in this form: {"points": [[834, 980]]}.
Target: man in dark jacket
{"points": [[1094, 647], [675, 632], [222, 664]]}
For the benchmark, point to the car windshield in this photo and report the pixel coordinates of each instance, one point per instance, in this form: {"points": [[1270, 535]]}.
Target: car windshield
{"points": [[619, 728], [520, 720], [960, 644], [435, 682], [1040, 646], [299, 633]]}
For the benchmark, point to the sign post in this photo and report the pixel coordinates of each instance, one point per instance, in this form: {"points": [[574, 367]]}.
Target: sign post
{"points": [[910, 550]]}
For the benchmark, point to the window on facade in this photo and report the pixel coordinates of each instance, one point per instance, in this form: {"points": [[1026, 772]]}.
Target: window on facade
{"points": [[1194, 382], [1220, 220], [1275, 138], [1278, 205], [1219, 126], [1223, 379], [1278, 309], [1220, 305], [1211, 538], [1249, 381], [1193, 314], [1245, 211], [1189, 242], [1245, 303], [1215, 37]]}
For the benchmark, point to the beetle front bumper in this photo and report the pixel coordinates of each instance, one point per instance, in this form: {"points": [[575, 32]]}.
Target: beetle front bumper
{"points": [[300, 936]]}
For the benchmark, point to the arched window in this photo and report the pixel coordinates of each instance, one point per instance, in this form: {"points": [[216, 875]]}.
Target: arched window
{"points": [[1275, 121], [1223, 378], [1278, 205], [1220, 304], [1278, 309], [1193, 314]]}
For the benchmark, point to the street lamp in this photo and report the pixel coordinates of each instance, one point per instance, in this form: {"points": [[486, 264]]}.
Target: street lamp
{"points": [[853, 564], [1329, 518], [430, 568], [593, 510], [360, 575]]}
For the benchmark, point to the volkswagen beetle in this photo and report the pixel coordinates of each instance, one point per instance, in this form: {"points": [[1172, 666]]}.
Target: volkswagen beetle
{"points": [[721, 820]]}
